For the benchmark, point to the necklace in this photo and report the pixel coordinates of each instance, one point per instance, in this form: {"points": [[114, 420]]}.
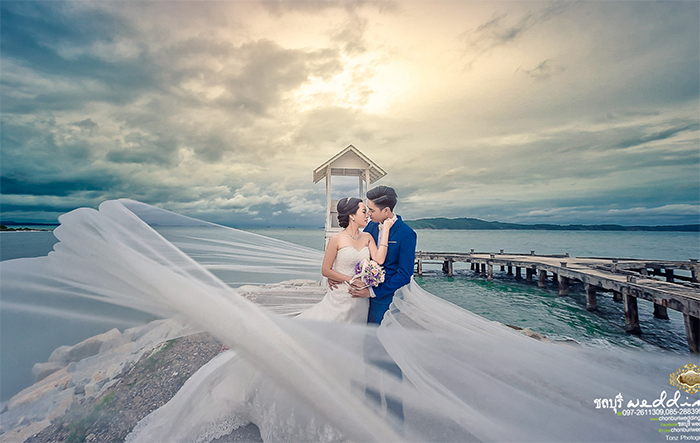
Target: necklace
{"points": [[352, 236]]}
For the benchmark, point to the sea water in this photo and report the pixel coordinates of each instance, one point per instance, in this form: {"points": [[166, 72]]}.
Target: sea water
{"points": [[29, 337], [542, 310]]}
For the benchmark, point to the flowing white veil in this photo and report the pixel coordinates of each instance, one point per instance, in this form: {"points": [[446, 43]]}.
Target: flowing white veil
{"points": [[461, 378]]}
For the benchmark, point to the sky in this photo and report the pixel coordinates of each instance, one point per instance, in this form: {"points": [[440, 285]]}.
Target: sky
{"points": [[519, 111]]}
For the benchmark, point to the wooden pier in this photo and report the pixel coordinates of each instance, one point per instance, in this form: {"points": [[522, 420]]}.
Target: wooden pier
{"points": [[628, 279]]}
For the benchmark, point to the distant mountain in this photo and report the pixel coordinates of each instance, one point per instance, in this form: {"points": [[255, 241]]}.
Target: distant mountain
{"points": [[14, 223], [475, 223]]}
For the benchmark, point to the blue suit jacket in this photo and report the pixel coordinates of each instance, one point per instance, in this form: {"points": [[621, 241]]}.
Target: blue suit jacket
{"points": [[398, 266]]}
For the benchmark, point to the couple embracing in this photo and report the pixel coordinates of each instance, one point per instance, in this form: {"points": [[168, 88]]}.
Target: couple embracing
{"points": [[386, 239]]}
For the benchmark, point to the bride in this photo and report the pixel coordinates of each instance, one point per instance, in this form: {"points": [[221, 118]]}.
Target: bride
{"points": [[343, 252]]}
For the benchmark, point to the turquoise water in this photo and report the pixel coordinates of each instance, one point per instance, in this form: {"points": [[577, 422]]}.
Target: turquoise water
{"points": [[524, 304], [27, 337]]}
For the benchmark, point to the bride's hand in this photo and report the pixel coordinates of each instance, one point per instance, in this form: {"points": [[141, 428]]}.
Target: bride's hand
{"points": [[387, 224]]}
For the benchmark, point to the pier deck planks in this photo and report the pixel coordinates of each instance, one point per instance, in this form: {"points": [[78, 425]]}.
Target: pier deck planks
{"points": [[628, 279]]}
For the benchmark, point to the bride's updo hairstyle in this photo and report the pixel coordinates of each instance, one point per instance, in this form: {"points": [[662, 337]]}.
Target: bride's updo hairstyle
{"points": [[346, 207]]}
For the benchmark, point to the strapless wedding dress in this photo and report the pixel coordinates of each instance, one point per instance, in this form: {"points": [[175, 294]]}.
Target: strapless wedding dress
{"points": [[338, 305]]}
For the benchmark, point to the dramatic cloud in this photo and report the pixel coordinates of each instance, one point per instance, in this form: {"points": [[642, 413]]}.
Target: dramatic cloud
{"points": [[559, 112]]}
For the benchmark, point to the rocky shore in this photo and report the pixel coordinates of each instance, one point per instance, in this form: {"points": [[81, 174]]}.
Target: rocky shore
{"points": [[99, 389]]}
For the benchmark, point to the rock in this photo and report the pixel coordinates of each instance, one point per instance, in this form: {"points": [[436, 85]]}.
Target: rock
{"points": [[302, 282], [62, 408], [23, 418], [60, 354], [84, 349], [58, 380], [93, 386], [114, 343], [42, 370], [530, 333], [21, 433], [535, 335]]}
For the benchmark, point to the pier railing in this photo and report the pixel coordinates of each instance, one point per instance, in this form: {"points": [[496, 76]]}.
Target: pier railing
{"points": [[657, 281]]}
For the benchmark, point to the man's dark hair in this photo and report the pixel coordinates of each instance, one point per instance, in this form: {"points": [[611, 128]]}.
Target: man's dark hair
{"points": [[383, 197]]}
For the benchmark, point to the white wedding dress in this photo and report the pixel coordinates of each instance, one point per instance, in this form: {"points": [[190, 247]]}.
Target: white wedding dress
{"points": [[338, 305], [463, 378]]}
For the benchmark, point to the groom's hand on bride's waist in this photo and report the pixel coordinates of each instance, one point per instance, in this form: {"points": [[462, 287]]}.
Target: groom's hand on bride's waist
{"points": [[356, 292], [333, 284]]}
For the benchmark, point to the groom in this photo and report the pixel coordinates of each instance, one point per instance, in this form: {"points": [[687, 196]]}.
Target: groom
{"points": [[400, 257]]}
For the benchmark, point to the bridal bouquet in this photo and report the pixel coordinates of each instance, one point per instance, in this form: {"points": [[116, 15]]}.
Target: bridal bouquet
{"points": [[369, 272]]}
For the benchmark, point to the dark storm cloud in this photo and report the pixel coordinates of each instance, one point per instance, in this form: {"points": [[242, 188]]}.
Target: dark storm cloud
{"points": [[504, 29], [33, 37], [661, 135], [24, 185], [53, 64], [145, 148]]}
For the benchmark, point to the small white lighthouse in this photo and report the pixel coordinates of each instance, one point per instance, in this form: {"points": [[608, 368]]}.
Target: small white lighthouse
{"points": [[348, 162]]}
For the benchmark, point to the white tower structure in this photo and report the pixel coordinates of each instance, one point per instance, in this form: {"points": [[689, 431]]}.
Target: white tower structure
{"points": [[348, 162]]}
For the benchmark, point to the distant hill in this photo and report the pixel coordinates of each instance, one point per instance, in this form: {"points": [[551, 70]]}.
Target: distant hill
{"points": [[475, 223], [14, 223]]}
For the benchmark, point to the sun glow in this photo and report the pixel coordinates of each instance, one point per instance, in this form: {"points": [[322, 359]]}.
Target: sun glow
{"points": [[365, 84]]}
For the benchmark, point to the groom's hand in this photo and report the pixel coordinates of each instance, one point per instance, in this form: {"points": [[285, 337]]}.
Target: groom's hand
{"points": [[333, 284], [359, 293]]}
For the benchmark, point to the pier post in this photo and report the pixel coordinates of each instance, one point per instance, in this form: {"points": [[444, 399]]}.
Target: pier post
{"points": [[528, 273], [631, 312], [503, 268], [510, 270], [692, 332], [542, 279], [448, 268], [591, 299], [420, 266], [669, 275], [660, 312], [518, 273], [483, 269], [563, 285], [490, 277]]}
